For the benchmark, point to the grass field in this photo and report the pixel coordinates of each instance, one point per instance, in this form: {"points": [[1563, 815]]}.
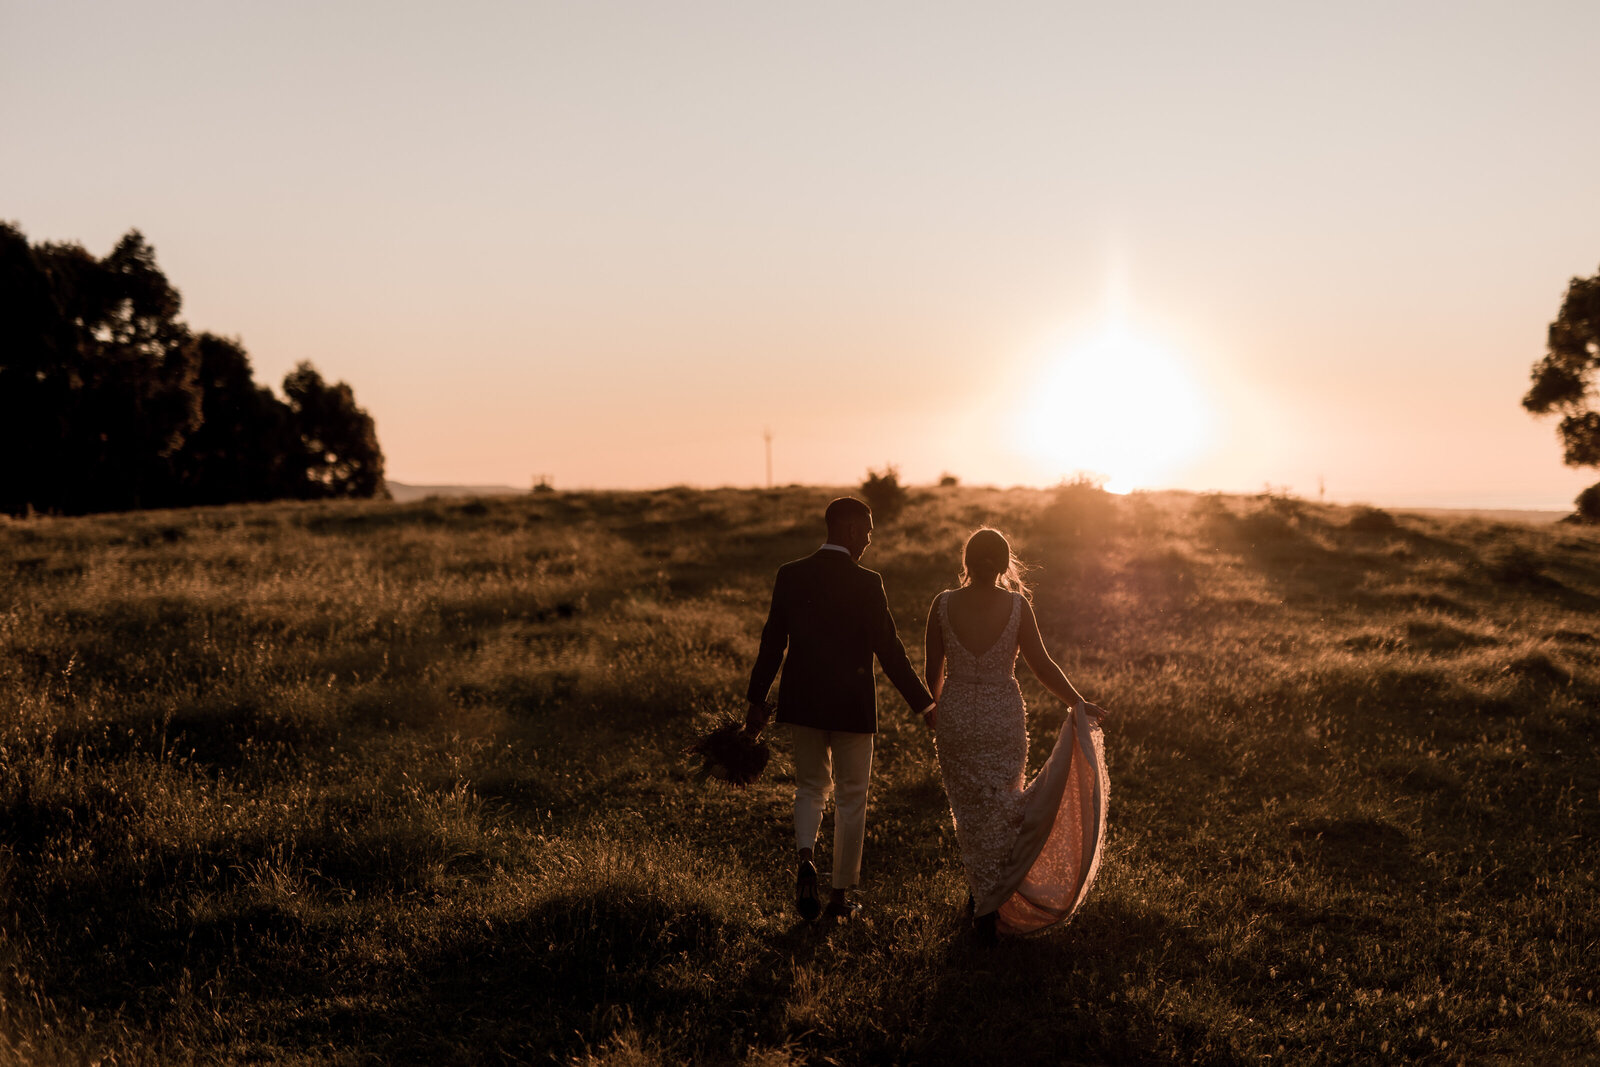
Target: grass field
{"points": [[379, 782]]}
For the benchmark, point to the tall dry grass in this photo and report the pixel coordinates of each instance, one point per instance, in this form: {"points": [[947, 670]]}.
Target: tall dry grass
{"points": [[368, 782]]}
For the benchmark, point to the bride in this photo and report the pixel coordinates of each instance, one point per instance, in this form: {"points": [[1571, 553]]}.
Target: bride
{"points": [[1030, 851]]}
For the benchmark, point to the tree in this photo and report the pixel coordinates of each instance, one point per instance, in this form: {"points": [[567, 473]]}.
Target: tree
{"points": [[142, 396], [1588, 503], [1564, 381], [246, 445], [32, 386], [339, 450], [97, 388]]}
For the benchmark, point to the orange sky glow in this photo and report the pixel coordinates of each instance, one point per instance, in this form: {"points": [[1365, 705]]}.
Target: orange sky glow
{"points": [[1213, 246]]}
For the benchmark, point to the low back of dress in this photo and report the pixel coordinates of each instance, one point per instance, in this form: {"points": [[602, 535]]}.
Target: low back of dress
{"points": [[995, 663]]}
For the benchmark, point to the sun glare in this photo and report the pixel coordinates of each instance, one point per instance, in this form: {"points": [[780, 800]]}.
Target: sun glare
{"points": [[1118, 406]]}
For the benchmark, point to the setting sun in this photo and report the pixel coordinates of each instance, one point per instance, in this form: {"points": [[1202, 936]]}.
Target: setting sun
{"points": [[1119, 406]]}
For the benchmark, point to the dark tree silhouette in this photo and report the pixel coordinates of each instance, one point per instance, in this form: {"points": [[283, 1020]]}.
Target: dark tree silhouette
{"points": [[33, 378], [338, 440], [107, 401], [1588, 504], [246, 446], [97, 385], [1564, 381], [141, 396]]}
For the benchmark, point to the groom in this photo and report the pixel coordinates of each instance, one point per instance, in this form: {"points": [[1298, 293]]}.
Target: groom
{"points": [[833, 617]]}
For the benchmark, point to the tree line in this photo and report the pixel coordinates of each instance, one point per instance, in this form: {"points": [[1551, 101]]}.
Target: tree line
{"points": [[109, 402]]}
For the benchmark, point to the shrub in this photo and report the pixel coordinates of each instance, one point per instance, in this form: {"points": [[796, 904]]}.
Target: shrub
{"points": [[1278, 516], [1372, 520], [1081, 509], [1280, 501], [1588, 504], [1267, 524], [948, 481], [885, 495]]}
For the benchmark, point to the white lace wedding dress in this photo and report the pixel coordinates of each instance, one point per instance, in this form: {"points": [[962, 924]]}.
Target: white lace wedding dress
{"points": [[1030, 851]]}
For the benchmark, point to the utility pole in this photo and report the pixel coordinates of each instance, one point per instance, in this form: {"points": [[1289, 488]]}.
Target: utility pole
{"points": [[766, 435]]}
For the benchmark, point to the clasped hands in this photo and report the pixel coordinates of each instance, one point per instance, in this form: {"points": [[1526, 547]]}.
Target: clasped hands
{"points": [[756, 716]]}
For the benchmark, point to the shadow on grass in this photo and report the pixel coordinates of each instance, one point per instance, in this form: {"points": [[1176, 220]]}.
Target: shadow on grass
{"points": [[1353, 850], [239, 735], [543, 984], [132, 933], [1071, 995]]}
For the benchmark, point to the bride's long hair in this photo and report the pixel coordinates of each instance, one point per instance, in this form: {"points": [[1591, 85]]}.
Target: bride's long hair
{"points": [[989, 553]]}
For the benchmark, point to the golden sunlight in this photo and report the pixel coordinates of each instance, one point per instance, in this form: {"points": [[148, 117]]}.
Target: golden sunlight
{"points": [[1119, 406]]}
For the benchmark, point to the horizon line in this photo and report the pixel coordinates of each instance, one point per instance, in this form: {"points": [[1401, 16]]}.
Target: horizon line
{"points": [[502, 489]]}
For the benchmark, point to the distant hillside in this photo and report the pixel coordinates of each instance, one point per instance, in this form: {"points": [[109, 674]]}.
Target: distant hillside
{"points": [[1536, 517], [405, 494]]}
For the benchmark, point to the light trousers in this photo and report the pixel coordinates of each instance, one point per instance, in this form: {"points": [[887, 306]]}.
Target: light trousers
{"points": [[840, 763]]}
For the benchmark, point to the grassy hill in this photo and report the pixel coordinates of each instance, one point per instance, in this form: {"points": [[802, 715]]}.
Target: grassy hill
{"points": [[401, 782]]}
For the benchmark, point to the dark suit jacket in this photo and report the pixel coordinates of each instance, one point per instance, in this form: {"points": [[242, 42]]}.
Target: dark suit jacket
{"points": [[833, 617]]}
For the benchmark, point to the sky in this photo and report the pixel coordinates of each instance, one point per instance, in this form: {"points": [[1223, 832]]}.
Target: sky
{"points": [[1214, 246]]}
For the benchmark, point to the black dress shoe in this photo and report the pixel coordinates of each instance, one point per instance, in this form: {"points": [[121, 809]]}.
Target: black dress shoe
{"points": [[805, 892], [845, 909]]}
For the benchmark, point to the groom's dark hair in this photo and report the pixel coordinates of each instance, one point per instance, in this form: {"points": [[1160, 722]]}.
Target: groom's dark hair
{"points": [[846, 509]]}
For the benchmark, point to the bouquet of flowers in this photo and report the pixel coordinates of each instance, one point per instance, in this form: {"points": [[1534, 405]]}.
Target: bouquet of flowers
{"points": [[731, 755]]}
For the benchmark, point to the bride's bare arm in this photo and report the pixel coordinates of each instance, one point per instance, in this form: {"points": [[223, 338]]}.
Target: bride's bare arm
{"points": [[1039, 662], [933, 651]]}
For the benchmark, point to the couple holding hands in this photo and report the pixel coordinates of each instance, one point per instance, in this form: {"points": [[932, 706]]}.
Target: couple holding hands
{"points": [[1030, 849]]}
